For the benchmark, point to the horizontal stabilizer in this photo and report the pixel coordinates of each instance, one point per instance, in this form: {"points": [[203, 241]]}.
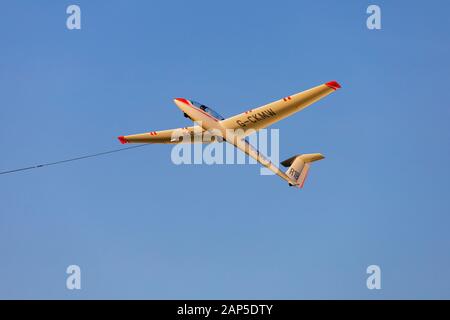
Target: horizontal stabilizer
{"points": [[299, 166], [311, 157]]}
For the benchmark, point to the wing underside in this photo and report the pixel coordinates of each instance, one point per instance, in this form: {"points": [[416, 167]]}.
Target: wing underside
{"points": [[194, 134], [262, 117]]}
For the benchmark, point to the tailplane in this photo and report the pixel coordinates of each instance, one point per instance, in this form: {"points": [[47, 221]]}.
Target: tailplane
{"points": [[299, 167]]}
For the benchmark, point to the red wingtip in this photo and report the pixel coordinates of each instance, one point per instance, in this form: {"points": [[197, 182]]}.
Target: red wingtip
{"points": [[333, 85], [122, 140]]}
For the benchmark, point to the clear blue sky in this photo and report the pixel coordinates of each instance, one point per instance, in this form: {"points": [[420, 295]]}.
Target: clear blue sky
{"points": [[141, 227]]}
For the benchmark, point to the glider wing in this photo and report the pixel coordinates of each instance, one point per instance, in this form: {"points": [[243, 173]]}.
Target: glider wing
{"points": [[268, 114], [172, 136]]}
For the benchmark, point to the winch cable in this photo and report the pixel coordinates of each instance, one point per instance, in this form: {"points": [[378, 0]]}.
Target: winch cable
{"points": [[72, 159]]}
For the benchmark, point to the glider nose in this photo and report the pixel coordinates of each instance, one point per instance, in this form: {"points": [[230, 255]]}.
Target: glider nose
{"points": [[182, 104], [181, 101]]}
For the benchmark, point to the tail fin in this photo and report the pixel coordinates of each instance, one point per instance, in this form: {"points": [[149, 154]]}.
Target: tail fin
{"points": [[299, 167]]}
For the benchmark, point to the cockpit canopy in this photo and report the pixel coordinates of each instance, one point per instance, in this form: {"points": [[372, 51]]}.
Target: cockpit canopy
{"points": [[207, 110]]}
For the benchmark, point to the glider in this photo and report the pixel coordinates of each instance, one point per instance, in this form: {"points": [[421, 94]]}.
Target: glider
{"points": [[234, 129]]}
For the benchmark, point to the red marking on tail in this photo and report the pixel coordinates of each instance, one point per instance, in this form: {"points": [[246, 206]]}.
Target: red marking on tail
{"points": [[303, 182]]}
